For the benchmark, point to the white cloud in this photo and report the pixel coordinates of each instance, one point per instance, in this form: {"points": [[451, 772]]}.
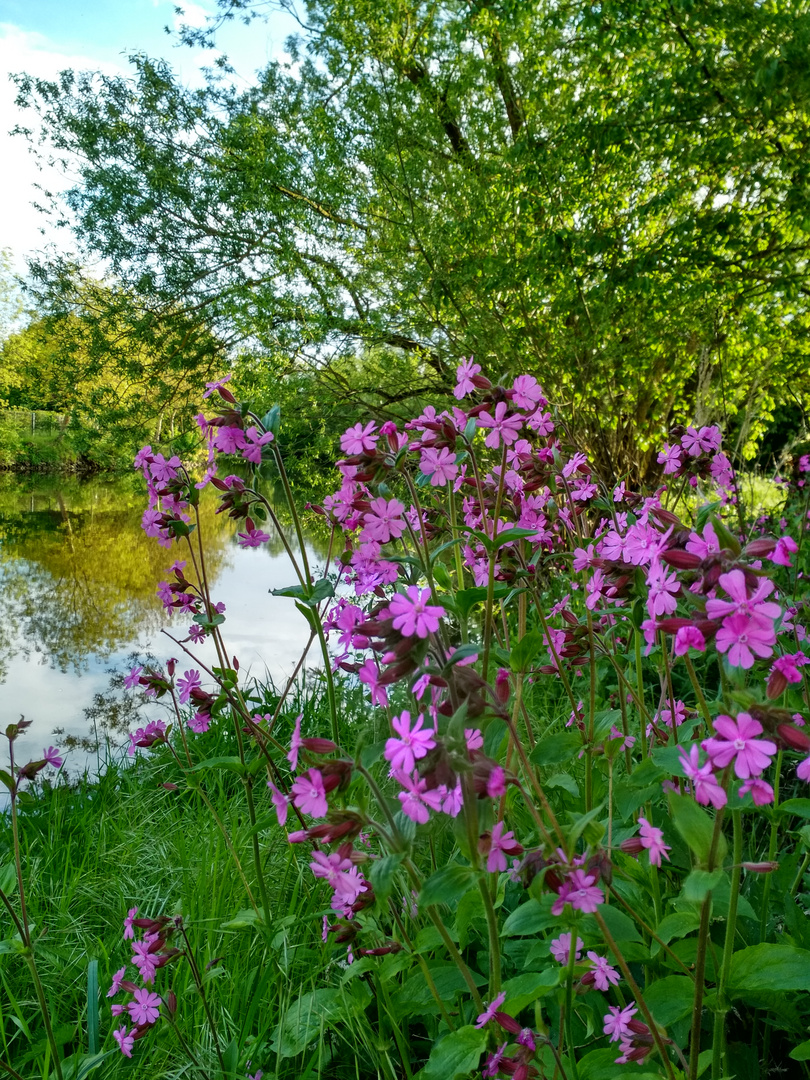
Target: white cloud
{"points": [[21, 226]]}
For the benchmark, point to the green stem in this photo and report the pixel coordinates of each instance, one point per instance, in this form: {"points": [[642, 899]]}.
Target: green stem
{"points": [[766, 891], [569, 1005], [637, 994], [591, 711], [704, 708], [702, 948], [640, 693], [719, 1038]]}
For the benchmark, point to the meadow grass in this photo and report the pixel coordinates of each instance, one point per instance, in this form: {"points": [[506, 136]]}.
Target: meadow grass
{"points": [[92, 849]]}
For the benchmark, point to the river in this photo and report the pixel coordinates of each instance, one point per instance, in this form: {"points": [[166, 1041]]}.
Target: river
{"points": [[79, 583]]}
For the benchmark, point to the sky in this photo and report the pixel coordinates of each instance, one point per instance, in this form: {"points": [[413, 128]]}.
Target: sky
{"points": [[44, 37]]}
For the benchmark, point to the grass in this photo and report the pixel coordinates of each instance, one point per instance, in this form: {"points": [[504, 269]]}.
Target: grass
{"points": [[94, 849]]}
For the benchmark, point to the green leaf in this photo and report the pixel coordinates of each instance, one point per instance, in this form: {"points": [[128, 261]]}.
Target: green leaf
{"points": [[671, 999], [321, 590], [272, 419], [457, 1054], [525, 650], [230, 1057], [699, 883], [243, 920], [92, 1007], [382, 874], [227, 764], [581, 823], [530, 918], [524, 990], [447, 885], [300, 592], [7, 779], [8, 878], [303, 1021], [801, 1052], [797, 807], [553, 749], [769, 968], [677, 925], [696, 827]]}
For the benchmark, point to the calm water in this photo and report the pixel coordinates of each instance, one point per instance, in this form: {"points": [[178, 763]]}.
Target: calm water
{"points": [[78, 580]]}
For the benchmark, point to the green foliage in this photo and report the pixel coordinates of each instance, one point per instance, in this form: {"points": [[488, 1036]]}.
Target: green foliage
{"points": [[613, 197]]}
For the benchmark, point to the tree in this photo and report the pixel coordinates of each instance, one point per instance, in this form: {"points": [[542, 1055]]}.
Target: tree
{"points": [[612, 195], [120, 375]]}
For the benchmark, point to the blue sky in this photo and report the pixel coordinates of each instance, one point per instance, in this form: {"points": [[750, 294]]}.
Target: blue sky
{"points": [[43, 37]]}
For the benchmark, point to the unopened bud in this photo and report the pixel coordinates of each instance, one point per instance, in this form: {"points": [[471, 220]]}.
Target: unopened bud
{"points": [[759, 548], [776, 685], [793, 737], [319, 746], [681, 560], [760, 867]]}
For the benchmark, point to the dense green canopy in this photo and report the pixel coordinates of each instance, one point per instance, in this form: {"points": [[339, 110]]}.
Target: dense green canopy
{"points": [[613, 196]]}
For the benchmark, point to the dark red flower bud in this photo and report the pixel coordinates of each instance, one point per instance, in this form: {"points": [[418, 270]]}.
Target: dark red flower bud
{"points": [[170, 1002], [794, 737], [757, 549], [130, 987], [632, 846], [776, 685], [681, 560], [319, 746], [760, 867], [394, 947], [508, 1023]]}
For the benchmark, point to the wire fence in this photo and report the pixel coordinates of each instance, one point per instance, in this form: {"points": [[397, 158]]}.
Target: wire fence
{"points": [[32, 421]]}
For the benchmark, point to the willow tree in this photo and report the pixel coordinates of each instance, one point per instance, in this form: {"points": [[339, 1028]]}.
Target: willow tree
{"points": [[613, 196]]}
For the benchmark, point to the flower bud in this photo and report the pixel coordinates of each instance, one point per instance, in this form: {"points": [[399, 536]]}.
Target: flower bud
{"points": [[502, 686], [793, 737], [776, 685], [681, 560], [319, 746], [171, 1002], [758, 548], [760, 867]]}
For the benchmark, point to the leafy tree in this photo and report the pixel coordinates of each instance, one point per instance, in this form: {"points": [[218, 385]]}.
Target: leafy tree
{"points": [[614, 195], [118, 374]]}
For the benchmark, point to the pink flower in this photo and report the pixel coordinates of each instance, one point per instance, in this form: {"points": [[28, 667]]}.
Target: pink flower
{"points": [[229, 440], [359, 439], [490, 1010], [617, 1020], [253, 451], [384, 520], [296, 743], [705, 441], [369, 674], [761, 792], [129, 933], [464, 375], [252, 538], [493, 1063], [125, 1040], [330, 867], [413, 742], [580, 892], [653, 840], [740, 745], [144, 960], [689, 637], [765, 613], [670, 458], [560, 949], [309, 794], [704, 782], [417, 801], [503, 426], [439, 465], [501, 845], [211, 387], [116, 982], [706, 545], [789, 665], [527, 393], [189, 682], [280, 801], [53, 757], [781, 553], [412, 613], [496, 783], [803, 770], [603, 973], [145, 1009], [200, 722], [473, 738], [132, 680], [742, 638]]}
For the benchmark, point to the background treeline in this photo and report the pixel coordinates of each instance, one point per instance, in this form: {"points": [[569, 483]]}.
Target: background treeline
{"points": [[613, 196]]}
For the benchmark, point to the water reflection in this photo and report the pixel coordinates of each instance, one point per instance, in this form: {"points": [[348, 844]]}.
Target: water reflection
{"points": [[78, 580]]}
